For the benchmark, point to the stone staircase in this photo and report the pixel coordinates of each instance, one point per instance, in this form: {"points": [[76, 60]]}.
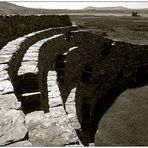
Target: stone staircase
{"points": [[20, 91]]}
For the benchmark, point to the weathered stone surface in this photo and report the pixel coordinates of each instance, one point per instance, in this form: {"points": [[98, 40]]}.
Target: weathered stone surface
{"points": [[57, 101], [3, 67], [9, 101], [24, 143], [28, 68], [5, 59], [126, 122], [6, 87], [54, 97], [47, 130], [12, 126], [71, 110], [4, 75]]}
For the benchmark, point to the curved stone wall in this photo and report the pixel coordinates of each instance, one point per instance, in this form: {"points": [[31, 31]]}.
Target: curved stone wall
{"points": [[13, 26], [65, 79]]}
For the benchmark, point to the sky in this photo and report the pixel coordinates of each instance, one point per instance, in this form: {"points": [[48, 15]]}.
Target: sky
{"points": [[60, 4]]}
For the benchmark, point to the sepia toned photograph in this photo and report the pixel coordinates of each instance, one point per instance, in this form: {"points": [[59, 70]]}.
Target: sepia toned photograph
{"points": [[73, 73]]}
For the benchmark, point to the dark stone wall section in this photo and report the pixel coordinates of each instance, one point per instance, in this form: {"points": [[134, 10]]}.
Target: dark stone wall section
{"points": [[100, 68], [18, 25]]}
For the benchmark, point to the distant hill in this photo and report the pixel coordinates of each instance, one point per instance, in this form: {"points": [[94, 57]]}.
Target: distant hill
{"points": [[106, 8], [9, 8]]}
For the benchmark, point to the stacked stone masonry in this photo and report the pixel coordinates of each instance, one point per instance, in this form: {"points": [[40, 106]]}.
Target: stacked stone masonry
{"points": [[54, 84], [14, 26]]}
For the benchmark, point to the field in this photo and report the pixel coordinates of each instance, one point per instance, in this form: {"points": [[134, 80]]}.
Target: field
{"points": [[126, 28]]}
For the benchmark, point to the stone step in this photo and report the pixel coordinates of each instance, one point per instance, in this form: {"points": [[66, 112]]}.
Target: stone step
{"points": [[30, 60], [26, 83], [6, 87], [56, 108], [60, 65], [54, 97], [70, 49], [70, 106], [28, 79], [7, 63], [30, 102], [9, 101]]}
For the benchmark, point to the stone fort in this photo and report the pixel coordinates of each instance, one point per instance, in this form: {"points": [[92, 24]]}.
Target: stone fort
{"points": [[57, 82]]}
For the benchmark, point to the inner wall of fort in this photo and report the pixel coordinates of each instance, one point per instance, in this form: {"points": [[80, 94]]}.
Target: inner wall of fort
{"points": [[49, 65]]}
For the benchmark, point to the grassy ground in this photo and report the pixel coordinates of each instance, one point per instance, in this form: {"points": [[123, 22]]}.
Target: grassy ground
{"points": [[126, 28]]}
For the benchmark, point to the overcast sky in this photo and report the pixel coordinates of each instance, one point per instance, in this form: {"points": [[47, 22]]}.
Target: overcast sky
{"points": [[80, 4]]}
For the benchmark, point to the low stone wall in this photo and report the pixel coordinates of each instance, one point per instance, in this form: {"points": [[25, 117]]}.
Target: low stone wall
{"points": [[13, 26]]}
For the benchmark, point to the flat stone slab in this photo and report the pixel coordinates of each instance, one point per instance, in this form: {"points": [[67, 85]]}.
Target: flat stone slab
{"points": [[9, 101], [5, 59], [4, 75], [12, 126], [70, 49], [3, 67], [6, 87]]}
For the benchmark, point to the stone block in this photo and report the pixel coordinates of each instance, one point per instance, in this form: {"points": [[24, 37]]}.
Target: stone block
{"points": [[9, 101], [12, 126]]}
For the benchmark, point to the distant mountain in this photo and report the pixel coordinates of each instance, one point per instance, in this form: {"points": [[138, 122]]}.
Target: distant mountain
{"points": [[105, 8], [9, 8]]}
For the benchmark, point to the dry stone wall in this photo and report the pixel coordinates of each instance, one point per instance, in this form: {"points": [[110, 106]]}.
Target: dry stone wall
{"points": [[13, 26], [60, 82], [100, 68]]}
